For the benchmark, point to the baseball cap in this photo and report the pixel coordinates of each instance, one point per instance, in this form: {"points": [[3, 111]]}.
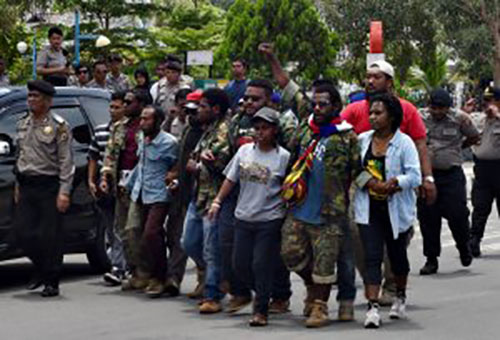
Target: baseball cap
{"points": [[441, 98], [383, 66], [492, 92], [267, 114], [193, 99]]}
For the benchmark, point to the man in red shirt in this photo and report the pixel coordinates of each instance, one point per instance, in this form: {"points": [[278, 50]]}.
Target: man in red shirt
{"points": [[379, 79]]}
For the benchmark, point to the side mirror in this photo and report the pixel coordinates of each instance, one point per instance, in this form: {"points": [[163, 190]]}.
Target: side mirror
{"points": [[82, 134], [5, 149]]}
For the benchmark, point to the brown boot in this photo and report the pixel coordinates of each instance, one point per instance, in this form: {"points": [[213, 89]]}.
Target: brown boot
{"points": [[319, 315], [197, 293], [279, 306], [346, 311], [237, 303], [155, 289], [308, 301], [135, 282], [210, 307]]}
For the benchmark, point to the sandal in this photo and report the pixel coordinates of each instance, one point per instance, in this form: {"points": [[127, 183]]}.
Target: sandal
{"points": [[258, 320]]}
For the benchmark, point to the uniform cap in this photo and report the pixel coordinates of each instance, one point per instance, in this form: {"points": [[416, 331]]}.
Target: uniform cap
{"points": [[441, 98], [267, 114], [42, 86], [383, 66]]}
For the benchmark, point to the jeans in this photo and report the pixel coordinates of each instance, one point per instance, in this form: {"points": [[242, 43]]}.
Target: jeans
{"points": [[106, 208], [255, 257], [201, 243], [226, 224]]}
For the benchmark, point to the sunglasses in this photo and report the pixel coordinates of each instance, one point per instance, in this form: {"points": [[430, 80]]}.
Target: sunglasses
{"points": [[320, 104], [253, 98]]}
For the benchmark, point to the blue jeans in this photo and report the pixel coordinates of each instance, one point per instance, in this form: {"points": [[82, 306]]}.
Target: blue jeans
{"points": [[201, 243], [346, 267]]}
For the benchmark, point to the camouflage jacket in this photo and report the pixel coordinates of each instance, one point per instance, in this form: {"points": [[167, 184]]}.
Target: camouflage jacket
{"points": [[241, 130], [342, 165], [210, 177], [114, 146]]}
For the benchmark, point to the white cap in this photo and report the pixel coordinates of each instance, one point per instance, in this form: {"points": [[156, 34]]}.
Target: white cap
{"points": [[383, 66]]}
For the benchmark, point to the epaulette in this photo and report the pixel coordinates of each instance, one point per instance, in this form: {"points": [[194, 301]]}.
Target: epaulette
{"points": [[59, 120]]}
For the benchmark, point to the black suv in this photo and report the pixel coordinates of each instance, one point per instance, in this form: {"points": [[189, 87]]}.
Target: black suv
{"points": [[83, 109]]}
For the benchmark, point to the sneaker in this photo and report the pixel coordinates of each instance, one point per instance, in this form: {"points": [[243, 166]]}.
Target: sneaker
{"points": [[398, 309], [114, 277], [319, 315], [430, 267], [210, 307], [475, 247], [237, 303], [372, 319], [155, 288], [465, 256], [277, 306], [346, 311]]}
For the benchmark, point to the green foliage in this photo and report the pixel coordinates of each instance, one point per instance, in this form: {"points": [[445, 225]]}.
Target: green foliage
{"points": [[294, 26]]}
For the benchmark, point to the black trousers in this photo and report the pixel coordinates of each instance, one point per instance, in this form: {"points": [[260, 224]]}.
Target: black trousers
{"points": [[256, 258], [38, 226], [485, 189], [451, 204]]}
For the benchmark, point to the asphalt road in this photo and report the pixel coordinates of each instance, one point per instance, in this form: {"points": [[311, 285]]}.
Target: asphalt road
{"points": [[458, 303]]}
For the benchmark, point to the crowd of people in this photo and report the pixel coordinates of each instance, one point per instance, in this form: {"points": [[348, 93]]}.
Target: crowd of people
{"points": [[252, 183]]}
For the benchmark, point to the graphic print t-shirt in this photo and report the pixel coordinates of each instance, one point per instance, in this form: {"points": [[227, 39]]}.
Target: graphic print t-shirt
{"points": [[260, 175]]}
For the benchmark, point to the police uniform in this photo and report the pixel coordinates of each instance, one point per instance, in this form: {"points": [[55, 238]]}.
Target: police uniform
{"points": [[444, 140], [44, 169], [486, 185]]}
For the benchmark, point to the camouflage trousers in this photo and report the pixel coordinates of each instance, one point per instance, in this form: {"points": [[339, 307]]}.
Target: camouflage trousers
{"points": [[307, 245]]}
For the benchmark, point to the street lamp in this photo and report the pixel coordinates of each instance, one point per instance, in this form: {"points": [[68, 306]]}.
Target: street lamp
{"points": [[101, 40], [22, 47]]}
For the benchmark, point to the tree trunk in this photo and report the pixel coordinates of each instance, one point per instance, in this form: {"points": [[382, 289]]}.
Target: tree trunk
{"points": [[496, 65]]}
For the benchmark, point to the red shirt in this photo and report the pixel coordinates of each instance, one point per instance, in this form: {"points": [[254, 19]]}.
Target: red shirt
{"points": [[128, 157], [357, 114]]}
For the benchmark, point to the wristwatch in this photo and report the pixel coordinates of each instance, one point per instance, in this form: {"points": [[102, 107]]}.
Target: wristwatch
{"points": [[429, 179]]}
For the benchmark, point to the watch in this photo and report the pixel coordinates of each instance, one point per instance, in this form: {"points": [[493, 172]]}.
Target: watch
{"points": [[429, 178]]}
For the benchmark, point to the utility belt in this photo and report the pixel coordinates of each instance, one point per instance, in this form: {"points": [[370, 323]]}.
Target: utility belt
{"points": [[37, 180]]}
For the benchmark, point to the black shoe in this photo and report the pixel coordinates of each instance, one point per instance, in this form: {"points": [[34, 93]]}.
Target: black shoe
{"points": [[430, 267], [34, 283], [475, 248], [114, 278], [465, 257], [50, 291], [172, 288]]}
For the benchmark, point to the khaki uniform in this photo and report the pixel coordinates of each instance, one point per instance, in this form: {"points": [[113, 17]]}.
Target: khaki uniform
{"points": [[119, 84], [50, 58], [44, 169]]}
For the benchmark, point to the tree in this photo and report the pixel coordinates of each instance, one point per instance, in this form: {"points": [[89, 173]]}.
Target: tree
{"points": [[409, 32], [473, 30], [300, 36]]}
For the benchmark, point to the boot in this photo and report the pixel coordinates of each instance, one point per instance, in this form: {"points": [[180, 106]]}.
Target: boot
{"points": [[319, 315], [475, 246], [430, 267], [346, 311], [197, 293], [465, 255]]}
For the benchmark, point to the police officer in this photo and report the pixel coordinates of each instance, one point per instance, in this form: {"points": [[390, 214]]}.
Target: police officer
{"points": [[486, 185], [448, 132], [44, 171]]}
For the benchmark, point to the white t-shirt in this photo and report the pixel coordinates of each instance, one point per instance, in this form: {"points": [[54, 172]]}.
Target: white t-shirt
{"points": [[260, 175]]}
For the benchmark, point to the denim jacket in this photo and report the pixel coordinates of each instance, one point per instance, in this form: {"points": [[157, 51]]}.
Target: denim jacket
{"points": [[402, 162], [147, 179]]}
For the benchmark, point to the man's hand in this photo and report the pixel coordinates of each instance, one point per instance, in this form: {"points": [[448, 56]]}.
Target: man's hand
{"points": [[207, 156], [266, 49], [62, 202], [104, 186], [392, 186], [93, 189], [492, 111], [428, 192], [213, 211], [171, 180]]}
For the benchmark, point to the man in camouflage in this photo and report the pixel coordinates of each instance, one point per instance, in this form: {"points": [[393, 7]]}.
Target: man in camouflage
{"points": [[44, 173], [119, 159], [208, 160], [316, 235], [257, 95]]}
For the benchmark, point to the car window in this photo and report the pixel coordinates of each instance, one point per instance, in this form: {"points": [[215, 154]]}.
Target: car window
{"points": [[76, 122], [97, 109]]}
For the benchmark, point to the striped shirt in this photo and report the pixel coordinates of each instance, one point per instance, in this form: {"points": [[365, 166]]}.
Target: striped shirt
{"points": [[98, 145]]}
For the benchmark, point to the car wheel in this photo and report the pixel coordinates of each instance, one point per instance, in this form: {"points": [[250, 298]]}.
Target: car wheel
{"points": [[97, 253]]}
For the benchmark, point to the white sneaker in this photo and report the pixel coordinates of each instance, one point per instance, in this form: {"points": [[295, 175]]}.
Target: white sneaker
{"points": [[372, 318], [398, 309]]}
